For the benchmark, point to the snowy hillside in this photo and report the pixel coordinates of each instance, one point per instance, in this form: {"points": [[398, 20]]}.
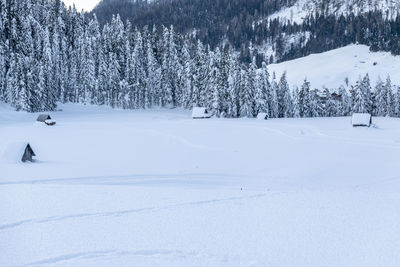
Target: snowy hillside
{"points": [[156, 188], [302, 8], [330, 69]]}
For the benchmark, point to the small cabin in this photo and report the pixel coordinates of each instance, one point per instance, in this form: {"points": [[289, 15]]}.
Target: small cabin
{"points": [[45, 118], [17, 152], [200, 113], [361, 120], [262, 116]]}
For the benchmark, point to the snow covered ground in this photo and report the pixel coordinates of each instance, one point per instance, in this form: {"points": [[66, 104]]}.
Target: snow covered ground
{"points": [[156, 188], [330, 69]]}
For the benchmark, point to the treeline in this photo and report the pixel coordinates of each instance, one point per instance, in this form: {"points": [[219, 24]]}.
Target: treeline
{"points": [[50, 54], [244, 24], [213, 20], [317, 33], [327, 32]]}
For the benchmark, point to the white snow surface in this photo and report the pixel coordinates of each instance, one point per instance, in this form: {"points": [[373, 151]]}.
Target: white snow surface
{"points": [[157, 188], [330, 69]]}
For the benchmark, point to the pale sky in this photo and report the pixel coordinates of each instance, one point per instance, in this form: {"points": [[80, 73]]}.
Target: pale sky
{"points": [[86, 5]]}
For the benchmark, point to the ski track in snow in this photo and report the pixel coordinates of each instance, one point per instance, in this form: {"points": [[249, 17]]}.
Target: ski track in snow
{"points": [[380, 182], [378, 143], [134, 179], [69, 257], [273, 130], [126, 253], [181, 140], [122, 212]]}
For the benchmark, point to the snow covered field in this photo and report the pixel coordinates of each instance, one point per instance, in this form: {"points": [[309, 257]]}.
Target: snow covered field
{"points": [[330, 69], [156, 188]]}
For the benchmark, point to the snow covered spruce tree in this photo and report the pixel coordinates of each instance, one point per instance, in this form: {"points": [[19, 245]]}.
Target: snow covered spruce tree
{"points": [[247, 93], [362, 101], [389, 98], [345, 103], [304, 100], [380, 98], [284, 98], [262, 89], [273, 102], [296, 103]]}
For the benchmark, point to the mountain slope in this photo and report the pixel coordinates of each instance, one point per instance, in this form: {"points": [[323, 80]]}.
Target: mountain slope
{"points": [[213, 20], [332, 69], [271, 31], [303, 8]]}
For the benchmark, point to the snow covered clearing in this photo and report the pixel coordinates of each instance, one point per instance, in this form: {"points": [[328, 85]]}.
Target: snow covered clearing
{"points": [[330, 69], [157, 188]]}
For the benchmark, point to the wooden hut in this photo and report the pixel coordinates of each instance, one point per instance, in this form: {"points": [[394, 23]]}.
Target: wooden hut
{"points": [[361, 120], [200, 113], [43, 117], [262, 116]]}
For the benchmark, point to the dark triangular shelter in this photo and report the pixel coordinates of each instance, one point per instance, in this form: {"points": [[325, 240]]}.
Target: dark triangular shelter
{"points": [[28, 154], [43, 117]]}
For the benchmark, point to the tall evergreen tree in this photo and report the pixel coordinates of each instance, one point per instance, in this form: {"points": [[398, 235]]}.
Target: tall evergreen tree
{"points": [[296, 103], [380, 98], [246, 94], [362, 102], [304, 100], [262, 89], [284, 98], [389, 97], [274, 106]]}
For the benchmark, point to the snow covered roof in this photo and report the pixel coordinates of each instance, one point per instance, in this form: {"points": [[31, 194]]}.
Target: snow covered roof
{"points": [[43, 117], [50, 122], [262, 116], [361, 119], [15, 151], [200, 112]]}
